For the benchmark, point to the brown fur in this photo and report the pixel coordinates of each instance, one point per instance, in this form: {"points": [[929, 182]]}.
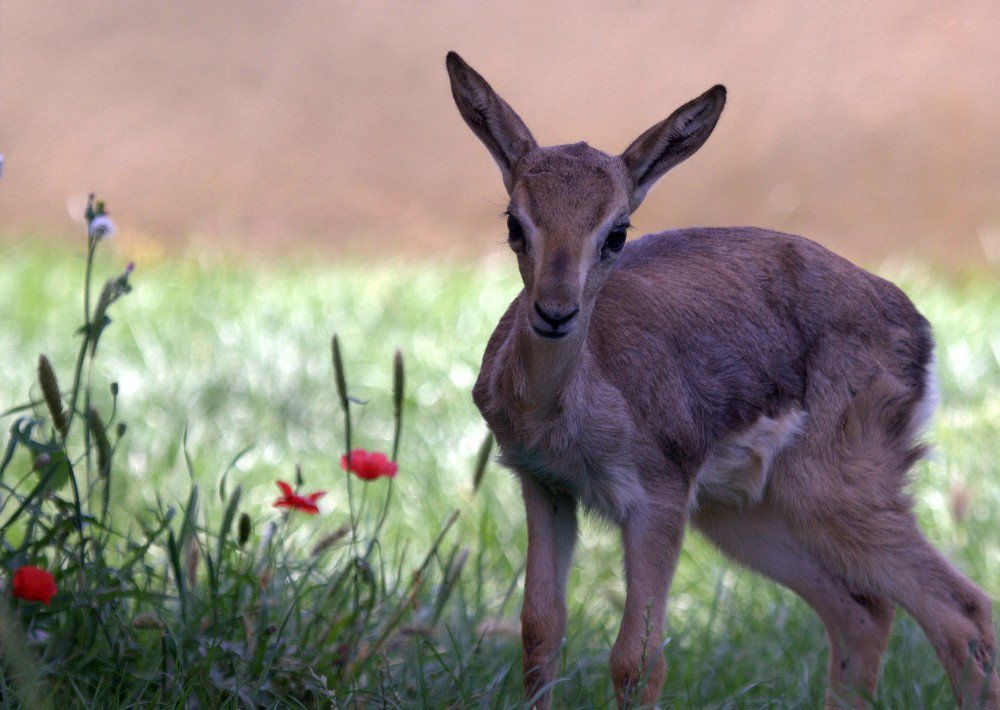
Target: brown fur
{"points": [[749, 382]]}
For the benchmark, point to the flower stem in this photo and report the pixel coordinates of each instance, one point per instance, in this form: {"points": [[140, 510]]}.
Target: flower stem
{"points": [[78, 372], [345, 404]]}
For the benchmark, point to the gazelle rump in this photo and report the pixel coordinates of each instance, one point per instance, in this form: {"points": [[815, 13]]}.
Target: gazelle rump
{"points": [[749, 383]]}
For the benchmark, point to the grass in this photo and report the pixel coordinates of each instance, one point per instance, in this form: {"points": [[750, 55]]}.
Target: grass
{"points": [[214, 358]]}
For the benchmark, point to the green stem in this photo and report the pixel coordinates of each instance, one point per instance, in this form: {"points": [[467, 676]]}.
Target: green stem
{"points": [[78, 372], [397, 392], [87, 443], [345, 404], [78, 509], [381, 521], [350, 481]]}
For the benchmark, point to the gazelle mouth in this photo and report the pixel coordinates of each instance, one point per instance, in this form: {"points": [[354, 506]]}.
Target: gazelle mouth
{"points": [[549, 334]]}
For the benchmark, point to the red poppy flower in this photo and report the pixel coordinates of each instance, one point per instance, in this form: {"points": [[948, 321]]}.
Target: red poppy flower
{"points": [[33, 584], [369, 466], [290, 499]]}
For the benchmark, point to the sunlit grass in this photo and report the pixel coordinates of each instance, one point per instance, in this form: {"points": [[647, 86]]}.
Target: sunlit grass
{"points": [[238, 356]]}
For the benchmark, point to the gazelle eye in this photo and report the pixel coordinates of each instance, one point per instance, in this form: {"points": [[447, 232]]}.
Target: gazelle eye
{"points": [[615, 239], [515, 233]]}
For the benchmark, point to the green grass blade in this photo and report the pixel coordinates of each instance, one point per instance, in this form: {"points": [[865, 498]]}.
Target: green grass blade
{"points": [[226, 526]]}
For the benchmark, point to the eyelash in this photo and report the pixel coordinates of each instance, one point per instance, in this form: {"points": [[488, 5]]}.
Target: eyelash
{"points": [[615, 241]]}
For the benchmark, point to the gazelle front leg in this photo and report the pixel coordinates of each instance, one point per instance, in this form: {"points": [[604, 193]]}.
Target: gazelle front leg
{"points": [[652, 539], [551, 536]]}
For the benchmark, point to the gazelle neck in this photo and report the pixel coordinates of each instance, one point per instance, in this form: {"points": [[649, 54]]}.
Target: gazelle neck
{"points": [[547, 367]]}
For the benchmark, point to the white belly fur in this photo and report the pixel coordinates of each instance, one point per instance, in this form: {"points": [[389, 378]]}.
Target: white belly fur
{"points": [[736, 470]]}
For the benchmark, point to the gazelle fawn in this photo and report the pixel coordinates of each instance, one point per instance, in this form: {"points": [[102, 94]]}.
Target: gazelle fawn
{"points": [[750, 383]]}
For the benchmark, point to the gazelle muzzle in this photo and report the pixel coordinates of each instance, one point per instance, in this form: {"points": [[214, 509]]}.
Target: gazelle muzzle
{"points": [[554, 323]]}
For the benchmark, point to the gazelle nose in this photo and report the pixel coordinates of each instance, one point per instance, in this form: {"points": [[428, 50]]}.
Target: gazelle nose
{"points": [[556, 319]]}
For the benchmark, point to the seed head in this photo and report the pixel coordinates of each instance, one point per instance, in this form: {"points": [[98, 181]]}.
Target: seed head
{"points": [[191, 558], [50, 390], [100, 437], [244, 527], [330, 540], [398, 382], [338, 371], [147, 621]]}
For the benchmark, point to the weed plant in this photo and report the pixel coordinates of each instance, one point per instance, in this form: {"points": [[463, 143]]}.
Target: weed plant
{"points": [[198, 604]]}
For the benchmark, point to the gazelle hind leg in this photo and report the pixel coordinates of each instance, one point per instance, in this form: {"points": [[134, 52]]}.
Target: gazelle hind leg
{"points": [[874, 543], [857, 624], [955, 615], [856, 517]]}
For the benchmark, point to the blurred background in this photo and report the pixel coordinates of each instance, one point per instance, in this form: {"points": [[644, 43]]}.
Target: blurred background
{"points": [[283, 171], [270, 127]]}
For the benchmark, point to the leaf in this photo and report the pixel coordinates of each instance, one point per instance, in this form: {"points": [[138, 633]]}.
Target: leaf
{"points": [[39, 488], [187, 454], [175, 561], [11, 446], [398, 385], [227, 524], [232, 464], [190, 513], [482, 460], [59, 466]]}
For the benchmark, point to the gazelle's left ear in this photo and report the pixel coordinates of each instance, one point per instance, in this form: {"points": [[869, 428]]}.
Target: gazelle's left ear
{"points": [[671, 141]]}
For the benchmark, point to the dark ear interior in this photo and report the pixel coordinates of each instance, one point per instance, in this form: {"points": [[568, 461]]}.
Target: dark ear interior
{"points": [[490, 117], [672, 140]]}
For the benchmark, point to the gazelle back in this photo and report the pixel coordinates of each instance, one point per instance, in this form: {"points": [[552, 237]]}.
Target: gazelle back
{"points": [[750, 383]]}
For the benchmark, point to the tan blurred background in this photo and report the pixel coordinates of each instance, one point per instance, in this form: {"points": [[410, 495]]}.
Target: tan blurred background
{"points": [[287, 126]]}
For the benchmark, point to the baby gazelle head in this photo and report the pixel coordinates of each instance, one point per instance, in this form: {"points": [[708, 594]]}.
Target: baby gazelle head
{"points": [[570, 204]]}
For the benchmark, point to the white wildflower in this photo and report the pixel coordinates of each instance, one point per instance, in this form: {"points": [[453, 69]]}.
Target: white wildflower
{"points": [[101, 227]]}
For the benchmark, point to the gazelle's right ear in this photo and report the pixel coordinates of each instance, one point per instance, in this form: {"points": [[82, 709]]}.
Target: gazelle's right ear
{"points": [[500, 129]]}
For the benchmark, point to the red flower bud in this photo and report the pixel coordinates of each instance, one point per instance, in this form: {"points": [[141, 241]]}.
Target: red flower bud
{"points": [[33, 584], [369, 465]]}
